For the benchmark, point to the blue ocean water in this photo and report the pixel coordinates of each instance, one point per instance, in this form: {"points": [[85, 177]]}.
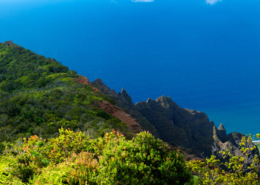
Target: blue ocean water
{"points": [[205, 56]]}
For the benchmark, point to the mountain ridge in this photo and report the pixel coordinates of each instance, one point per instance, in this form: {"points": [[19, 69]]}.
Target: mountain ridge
{"points": [[52, 96], [38, 95], [189, 129]]}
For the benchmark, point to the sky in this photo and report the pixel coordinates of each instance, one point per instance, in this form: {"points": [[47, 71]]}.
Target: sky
{"points": [[204, 54]]}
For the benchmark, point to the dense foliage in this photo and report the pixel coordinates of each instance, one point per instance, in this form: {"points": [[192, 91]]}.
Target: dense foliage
{"points": [[38, 95], [67, 139], [73, 158], [228, 169]]}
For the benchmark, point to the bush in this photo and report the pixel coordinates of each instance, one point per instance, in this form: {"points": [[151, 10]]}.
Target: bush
{"points": [[237, 171], [144, 160], [73, 158], [104, 115]]}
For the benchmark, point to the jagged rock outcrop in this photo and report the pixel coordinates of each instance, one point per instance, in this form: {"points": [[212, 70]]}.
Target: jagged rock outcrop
{"points": [[124, 101], [189, 129], [221, 133], [223, 143], [231, 142], [111, 109], [165, 119]]}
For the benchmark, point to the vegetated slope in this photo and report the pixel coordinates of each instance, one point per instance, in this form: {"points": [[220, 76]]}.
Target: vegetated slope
{"points": [[38, 95]]}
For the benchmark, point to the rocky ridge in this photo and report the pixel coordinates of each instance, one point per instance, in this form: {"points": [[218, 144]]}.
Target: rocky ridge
{"points": [[111, 109], [189, 129], [124, 102]]}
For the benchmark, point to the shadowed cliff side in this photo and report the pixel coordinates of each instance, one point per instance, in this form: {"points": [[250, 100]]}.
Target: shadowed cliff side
{"points": [[177, 126], [124, 101], [165, 119], [189, 129]]}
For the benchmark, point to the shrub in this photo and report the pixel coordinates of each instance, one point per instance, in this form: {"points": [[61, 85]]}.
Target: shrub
{"points": [[73, 158], [144, 160], [104, 115], [237, 171]]}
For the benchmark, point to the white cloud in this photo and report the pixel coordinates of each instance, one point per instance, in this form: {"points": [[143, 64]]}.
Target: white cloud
{"points": [[211, 2], [142, 1]]}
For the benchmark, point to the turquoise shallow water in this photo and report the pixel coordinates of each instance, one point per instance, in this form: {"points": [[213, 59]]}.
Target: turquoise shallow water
{"points": [[205, 57]]}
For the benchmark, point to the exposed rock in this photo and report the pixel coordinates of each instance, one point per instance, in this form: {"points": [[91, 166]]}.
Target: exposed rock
{"points": [[177, 126], [123, 116], [235, 138], [124, 101], [221, 127], [127, 99], [111, 109], [103, 88], [231, 143], [84, 80], [190, 130], [221, 132]]}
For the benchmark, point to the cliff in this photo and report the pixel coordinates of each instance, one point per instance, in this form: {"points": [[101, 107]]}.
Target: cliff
{"points": [[178, 126], [124, 101], [38, 96], [189, 129], [41, 97]]}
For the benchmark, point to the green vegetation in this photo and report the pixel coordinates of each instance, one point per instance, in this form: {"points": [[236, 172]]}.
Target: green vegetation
{"points": [[73, 158], [228, 169], [38, 95], [52, 132]]}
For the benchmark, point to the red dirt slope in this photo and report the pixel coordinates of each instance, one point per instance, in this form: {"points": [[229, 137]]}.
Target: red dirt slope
{"points": [[114, 111], [120, 114]]}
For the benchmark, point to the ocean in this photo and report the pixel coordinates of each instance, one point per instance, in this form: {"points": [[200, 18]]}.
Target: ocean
{"points": [[205, 55]]}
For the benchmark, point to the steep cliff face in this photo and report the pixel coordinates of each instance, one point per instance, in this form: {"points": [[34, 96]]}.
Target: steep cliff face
{"points": [[178, 126], [124, 101], [221, 133], [165, 119], [189, 129]]}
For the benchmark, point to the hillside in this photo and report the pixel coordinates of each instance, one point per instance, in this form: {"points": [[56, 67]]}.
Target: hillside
{"points": [[59, 128], [38, 95]]}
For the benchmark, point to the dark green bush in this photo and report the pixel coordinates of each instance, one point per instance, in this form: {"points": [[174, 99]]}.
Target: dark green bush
{"points": [[104, 115]]}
